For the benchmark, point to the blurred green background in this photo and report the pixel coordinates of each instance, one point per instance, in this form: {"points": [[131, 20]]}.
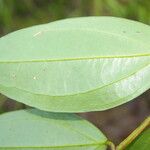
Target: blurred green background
{"points": [[116, 123], [16, 14]]}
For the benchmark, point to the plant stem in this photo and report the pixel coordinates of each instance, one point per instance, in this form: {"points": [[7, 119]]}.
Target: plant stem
{"points": [[134, 134], [111, 145]]}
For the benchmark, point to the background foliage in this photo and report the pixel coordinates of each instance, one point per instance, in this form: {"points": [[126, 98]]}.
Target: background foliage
{"points": [[117, 123]]}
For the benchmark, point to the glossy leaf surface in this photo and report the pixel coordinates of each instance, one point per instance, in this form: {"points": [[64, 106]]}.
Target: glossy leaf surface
{"points": [[34, 129], [142, 142], [76, 65]]}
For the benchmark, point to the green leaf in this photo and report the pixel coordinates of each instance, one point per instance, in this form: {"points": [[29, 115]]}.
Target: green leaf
{"points": [[34, 129], [76, 65], [142, 142]]}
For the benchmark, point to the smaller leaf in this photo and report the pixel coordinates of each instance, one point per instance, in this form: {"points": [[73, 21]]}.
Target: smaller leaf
{"points": [[142, 142], [34, 129]]}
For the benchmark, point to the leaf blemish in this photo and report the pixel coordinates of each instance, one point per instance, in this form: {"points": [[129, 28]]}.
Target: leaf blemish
{"points": [[34, 77], [38, 33], [13, 76]]}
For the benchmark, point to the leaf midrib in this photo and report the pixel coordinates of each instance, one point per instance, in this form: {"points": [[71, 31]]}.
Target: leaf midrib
{"points": [[74, 59], [59, 146]]}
